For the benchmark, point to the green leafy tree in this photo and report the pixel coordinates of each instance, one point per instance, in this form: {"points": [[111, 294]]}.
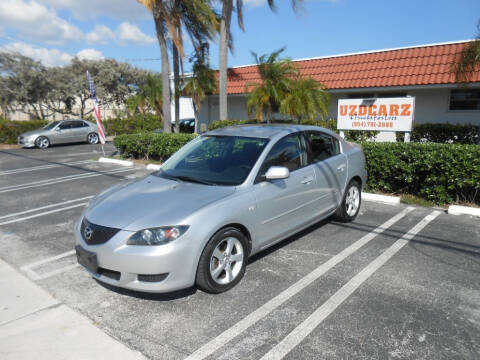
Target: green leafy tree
{"points": [[201, 83], [149, 97], [283, 90], [469, 60], [305, 100], [276, 75], [226, 42]]}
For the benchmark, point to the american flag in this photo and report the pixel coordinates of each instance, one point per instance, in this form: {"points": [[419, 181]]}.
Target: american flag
{"points": [[101, 132]]}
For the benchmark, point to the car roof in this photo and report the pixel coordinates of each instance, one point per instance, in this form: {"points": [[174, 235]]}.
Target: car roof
{"points": [[266, 131]]}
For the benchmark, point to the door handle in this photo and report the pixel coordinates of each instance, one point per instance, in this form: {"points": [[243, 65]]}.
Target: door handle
{"points": [[307, 180], [341, 167]]}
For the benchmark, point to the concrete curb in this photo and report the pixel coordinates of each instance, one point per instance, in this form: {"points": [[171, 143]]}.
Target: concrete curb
{"points": [[384, 199], [115, 161], [463, 210], [153, 167]]}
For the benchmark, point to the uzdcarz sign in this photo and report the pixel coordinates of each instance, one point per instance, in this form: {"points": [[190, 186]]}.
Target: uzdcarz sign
{"points": [[382, 114]]}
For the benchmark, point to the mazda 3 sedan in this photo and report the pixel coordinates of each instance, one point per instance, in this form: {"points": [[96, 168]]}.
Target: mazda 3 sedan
{"points": [[223, 197], [60, 132]]}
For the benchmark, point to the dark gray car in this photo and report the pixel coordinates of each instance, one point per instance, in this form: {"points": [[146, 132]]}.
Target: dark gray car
{"points": [[60, 132]]}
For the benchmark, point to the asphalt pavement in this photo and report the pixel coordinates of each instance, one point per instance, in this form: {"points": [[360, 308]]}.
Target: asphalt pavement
{"points": [[401, 282]]}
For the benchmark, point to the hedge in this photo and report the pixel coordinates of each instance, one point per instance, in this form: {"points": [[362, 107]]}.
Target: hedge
{"points": [[441, 173], [150, 145], [443, 133], [132, 125], [10, 130]]}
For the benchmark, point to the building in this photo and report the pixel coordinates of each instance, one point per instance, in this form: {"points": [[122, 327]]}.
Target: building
{"points": [[424, 72]]}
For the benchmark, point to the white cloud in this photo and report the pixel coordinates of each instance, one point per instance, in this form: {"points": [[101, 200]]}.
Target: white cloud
{"points": [[129, 33], [35, 21], [90, 54], [89, 9], [101, 34], [48, 57]]}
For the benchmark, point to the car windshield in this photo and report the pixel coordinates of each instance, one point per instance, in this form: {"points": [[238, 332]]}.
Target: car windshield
{"points": [[51, 125], [214, 160]]}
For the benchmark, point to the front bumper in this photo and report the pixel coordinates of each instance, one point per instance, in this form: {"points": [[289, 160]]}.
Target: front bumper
{"points": [[153, 269], [25, 142]]}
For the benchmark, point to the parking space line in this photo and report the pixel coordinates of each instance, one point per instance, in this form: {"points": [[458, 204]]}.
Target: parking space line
{"points": [[42, 214], [43, 167], [308, 325], [45, 207], [221, 340], [61, 179], [28, 269]]}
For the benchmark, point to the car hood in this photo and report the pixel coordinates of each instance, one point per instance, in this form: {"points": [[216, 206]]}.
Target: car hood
{"points": [[151, 202], [34, 132]]}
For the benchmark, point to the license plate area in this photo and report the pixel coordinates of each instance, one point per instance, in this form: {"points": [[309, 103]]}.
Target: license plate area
{"points": [[87, 259]]}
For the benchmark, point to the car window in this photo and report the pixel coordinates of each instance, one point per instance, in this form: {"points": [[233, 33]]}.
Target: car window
{"points": [[66, 125], [322, 146], [77, 124], [289, 152], [216, 160]]}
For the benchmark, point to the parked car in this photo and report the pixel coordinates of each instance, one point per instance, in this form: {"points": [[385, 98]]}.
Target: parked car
{"points": [[221, 198], [60, 132]]}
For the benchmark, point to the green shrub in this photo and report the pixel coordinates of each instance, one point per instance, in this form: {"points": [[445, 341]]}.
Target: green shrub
{"points": [[10, 130], [443, 134], [132, 125], [150, 146], [441, 173]]}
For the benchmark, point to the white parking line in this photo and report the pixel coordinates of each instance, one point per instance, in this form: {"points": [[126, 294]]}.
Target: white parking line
{"points": [[61, 179], [215, 344], [43, 167], [42, 214], [45, 207], [307, 326], [28, 269]]}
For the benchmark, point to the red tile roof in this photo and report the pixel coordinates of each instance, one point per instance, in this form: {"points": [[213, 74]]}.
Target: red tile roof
{"points": [[422, 65]]}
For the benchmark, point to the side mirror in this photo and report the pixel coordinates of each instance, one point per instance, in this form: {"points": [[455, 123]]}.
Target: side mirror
{"points": [[277, 173], [58, 129]]}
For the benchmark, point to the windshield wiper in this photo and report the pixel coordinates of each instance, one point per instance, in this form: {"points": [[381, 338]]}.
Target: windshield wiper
{"points": [[190, 179]]}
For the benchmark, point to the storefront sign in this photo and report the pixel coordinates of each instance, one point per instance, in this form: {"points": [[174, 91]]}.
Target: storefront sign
{"points": [[382, 114]]}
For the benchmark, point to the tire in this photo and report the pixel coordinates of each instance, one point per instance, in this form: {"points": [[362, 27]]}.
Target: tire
{"points": [[218, 270], [93, 138], [42, 142], [350, 206]]}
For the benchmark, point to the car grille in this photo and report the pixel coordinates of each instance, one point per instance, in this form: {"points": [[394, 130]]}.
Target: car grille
{"points": [[95, 234]]}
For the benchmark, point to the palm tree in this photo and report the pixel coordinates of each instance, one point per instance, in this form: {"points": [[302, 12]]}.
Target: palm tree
{"points": [[469, 60], [305, 100], [277, 75], [227, 43], [169, 17], [201, 83], [149, 96]]}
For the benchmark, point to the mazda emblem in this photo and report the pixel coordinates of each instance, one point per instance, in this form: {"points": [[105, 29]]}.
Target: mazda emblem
{"points": [[87, 232]]}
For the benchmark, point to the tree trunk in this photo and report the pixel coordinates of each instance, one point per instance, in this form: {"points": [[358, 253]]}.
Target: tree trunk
{"points": [[176, 81], [195, 114], [166, 99], [223, 61]]}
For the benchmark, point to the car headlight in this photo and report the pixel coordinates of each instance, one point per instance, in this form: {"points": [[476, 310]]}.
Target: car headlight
{"points": [[157, 236]]}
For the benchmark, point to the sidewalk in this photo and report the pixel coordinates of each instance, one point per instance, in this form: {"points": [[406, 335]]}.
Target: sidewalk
{"points": [[33, 325]]}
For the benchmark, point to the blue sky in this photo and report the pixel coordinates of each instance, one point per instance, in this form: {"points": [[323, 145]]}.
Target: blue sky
{"points": [[53, 31]]}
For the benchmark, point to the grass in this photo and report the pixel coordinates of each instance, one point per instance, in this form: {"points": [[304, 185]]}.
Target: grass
{"points": [[415, 200]]}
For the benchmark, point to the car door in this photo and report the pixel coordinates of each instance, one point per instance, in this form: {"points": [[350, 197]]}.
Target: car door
{"points": [[63, 132], [330, 167], [282, 206], [79, 131]]}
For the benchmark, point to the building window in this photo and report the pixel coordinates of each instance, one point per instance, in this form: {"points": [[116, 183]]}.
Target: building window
{"points": [[465, 99], [361, 96], [392, 95]]}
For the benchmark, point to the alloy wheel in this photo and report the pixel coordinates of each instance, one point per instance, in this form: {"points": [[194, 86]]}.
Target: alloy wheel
{"points": [[226, 261], [352, 201]]}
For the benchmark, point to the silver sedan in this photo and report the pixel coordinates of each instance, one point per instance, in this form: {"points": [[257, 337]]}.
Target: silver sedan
{"points": [[223, 197], [60, 132]]}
